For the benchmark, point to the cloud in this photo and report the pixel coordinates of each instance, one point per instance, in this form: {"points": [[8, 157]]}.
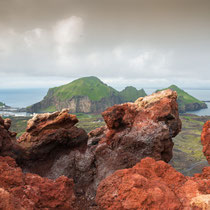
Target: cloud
{"points": [[143, 43], [66, 34]]}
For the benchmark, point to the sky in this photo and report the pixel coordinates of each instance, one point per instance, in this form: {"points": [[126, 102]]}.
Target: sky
{"points": [[144, 43]]}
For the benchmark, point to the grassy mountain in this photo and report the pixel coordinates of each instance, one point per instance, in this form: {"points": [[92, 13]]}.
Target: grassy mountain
{"points": [[85, 95], [92, 87], [2, 104], [131, 94], [187, 102]]}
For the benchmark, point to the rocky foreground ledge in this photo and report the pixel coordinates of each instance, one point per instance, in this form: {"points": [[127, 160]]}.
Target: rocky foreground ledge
{"points": [[103, 164]]}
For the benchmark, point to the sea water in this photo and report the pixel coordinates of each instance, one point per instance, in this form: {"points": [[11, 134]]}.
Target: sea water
{"points": [[20, 98]]}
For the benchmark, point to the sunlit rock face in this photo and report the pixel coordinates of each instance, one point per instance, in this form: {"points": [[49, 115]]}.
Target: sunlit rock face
{"points": [[205, 140], [46, 132], [155, 185]]}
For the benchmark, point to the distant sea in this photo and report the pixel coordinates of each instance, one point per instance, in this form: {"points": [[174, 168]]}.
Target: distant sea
{"points": [[20, 98]]}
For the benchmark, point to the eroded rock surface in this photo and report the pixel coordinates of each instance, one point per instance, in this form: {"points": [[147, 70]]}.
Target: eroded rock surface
{"points": [[134, 131], [45, 132], [154, 185], [53, 146], [205, 140], [125, 159], [8, 144], [19, 191]]}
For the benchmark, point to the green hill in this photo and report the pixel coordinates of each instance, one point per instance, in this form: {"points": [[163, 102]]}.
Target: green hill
{"points": [[84, 95], [185, 101], [130, 94], [92, 87], [2, 104]]}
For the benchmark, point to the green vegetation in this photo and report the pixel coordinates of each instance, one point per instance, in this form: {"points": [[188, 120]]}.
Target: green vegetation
{"points": [[86, 121], [130, 94], [92, 87], [49, 109], [184, 96], [89, 122], [19, 124], [187, 145], [185, 100], [2, 104]]}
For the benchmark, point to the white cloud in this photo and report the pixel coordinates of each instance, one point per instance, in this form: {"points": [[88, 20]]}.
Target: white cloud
{"points": [[31, 38], [66, 33]]}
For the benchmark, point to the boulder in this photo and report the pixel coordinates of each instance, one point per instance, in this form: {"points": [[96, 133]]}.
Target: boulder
{"points": [[47, 132], [133, 131], [154, 185], [8, 144], [29, 191]]}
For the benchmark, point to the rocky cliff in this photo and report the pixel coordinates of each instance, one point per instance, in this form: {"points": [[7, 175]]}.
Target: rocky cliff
{"points": [[53, 146], [84, 95]]}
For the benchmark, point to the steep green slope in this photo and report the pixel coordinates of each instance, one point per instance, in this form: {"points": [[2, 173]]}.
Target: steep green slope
{"points": [[185, 101], [2, 104], [92, 87], [130, 94], [84, 95]]}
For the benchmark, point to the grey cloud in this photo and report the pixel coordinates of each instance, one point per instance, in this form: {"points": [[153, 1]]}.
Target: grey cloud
{"points": [[136, 41]]}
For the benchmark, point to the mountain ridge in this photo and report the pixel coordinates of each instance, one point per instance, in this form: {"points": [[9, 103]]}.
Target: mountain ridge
{"points": [[85, 95]]}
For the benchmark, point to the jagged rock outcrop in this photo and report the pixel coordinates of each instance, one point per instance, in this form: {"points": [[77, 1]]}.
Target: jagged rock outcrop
{"points": [[53, 146], [154, 185], [8, 144], [205, 140], [19, 191], [134, 131], [46, 132], [108, 157]]}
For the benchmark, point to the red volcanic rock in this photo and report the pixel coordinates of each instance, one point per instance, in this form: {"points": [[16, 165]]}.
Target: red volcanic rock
{"points": [[133, 132], [154, 185], [7, 139], [48, 131], [53, 146], [30, 191], [205, 140]]}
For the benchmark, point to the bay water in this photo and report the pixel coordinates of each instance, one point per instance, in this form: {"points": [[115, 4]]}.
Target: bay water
{"points": [[20, 98]]}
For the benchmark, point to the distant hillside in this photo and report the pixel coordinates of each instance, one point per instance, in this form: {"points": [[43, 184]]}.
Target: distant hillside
{"points": [[2, 104], [187, 102], [130, 94], [84, 95]]}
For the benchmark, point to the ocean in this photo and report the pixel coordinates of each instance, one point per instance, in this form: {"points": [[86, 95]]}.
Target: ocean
{"points": [[20, 98]]}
